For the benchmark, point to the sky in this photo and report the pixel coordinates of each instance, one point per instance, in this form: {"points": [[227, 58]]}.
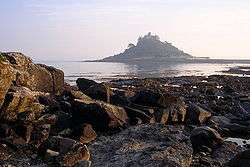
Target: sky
{"points": [[94, 29]]}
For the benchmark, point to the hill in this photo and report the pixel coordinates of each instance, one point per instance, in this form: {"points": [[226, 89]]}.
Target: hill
{"points": [[149, 48]]}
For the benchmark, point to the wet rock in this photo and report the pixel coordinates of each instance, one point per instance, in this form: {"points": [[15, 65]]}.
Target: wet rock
{"points": [[100, 115], [203, 138], [240, 160], [100, 92], [197, 115], [83, 83], [143, 145]]}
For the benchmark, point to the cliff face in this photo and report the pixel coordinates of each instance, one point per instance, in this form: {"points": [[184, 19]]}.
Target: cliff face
{"points": [[149, 47]]}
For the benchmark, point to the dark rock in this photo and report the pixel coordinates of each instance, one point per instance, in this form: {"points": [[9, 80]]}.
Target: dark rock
{"points": [[85, 134], [197, 115], [149, 98], [203, 137], [40, 134], [70, 151], [174, 107], [230, 128], [71, 95], [99, 92], [83, 163], [240, 160], [135, 114], [100, 115], [83, 83]]}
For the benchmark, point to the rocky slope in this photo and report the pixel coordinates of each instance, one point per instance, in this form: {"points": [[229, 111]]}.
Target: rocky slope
{"points": [[164, 122], [149, 48]]}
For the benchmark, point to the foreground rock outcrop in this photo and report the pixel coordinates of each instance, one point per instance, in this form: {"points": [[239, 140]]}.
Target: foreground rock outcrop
{"points": [[172, 122]]}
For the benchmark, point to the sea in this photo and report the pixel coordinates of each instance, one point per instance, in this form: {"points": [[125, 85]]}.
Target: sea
{"points": [[106, 71]]}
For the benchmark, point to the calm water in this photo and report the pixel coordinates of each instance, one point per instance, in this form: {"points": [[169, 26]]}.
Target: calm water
{"points": [[102, 71]]}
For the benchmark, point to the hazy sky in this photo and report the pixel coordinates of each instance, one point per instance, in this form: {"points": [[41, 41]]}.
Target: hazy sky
{"points": [[91, 29]]}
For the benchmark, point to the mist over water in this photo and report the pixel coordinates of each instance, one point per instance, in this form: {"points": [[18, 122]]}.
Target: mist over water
{"points": [[103, 71]]}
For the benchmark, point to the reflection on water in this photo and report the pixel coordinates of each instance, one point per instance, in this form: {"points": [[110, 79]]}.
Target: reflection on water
{"points": [[103, 71]]}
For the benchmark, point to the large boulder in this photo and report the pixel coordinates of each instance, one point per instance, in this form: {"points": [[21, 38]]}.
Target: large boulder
{"points": [[57, 77], [100, 91], [171, 109], [100, 115], [144, 145], [84, 133], [33, 76], [205, 139], [83, 83], [197, 115], [7, 75], [21, 103]]}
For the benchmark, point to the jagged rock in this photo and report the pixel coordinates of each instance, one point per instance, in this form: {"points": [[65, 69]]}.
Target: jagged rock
{"points": [[174, 107], [100, 115], [135, 115], [197, 115], [85, 134], [99, 92], [71, 95], [76, 154], [205, 138], [57, 77], [144, 145], [229, 127], [21, 104], [83, 83], [7, 75], [35, 77]]}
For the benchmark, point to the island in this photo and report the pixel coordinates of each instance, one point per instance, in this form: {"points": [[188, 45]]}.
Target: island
{"points": [[149, 48]]}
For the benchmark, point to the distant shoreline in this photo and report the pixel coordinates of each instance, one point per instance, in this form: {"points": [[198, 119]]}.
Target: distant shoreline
{"points": [[215, 61]]}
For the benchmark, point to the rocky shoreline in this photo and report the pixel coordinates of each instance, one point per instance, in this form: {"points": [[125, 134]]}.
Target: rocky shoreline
{"points": [[153, 122]]}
